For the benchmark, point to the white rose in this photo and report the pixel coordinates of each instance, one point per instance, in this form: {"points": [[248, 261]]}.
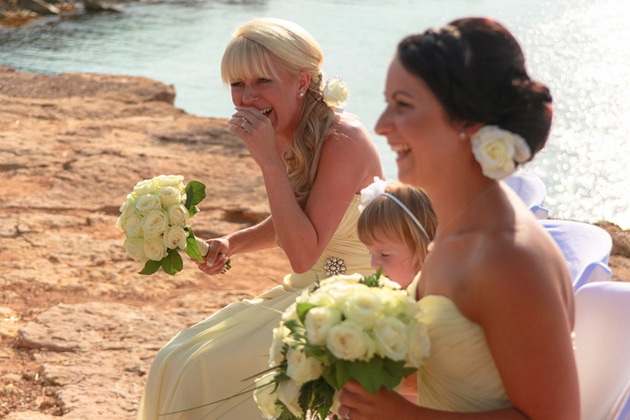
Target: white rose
{"points": [[134, 247], [363, 307], [147, 186], [397, 303], [318, 322], [419, 344], [178, 215], [302, 368], [277, 344], [154, 224], [290, 312], [175, 237], [147, 203], [169, 195], [497, 150], [387, 283], [336, 92], [288, 393], [133, 225], [174, 180], [155, 249], [129, 204], [348, 341], [265, 396], [390, 335]]}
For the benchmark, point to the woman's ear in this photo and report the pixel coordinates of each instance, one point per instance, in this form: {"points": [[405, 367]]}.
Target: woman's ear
{"points": [[304, 81], [467, 130]]}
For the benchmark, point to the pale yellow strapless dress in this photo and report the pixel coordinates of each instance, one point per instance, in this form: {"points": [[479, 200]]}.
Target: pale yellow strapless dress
{"points": [[460, 374], [215, 358]]}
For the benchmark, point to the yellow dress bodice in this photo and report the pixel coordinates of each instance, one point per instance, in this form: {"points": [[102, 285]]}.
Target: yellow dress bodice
{"points": [[460, 374]]}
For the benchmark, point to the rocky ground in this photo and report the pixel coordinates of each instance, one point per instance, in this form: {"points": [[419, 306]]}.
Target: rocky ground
{"points": [[78, 326]]}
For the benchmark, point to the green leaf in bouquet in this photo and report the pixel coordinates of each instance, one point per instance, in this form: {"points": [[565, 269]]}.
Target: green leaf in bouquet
{"points": [[172, 263], [337, 375], [394, 371], [192, 249], [195, 193], [372, 281], [316, 396], [151, 267], [286, 414], [298, 332], [302, 309], [368, 374]]}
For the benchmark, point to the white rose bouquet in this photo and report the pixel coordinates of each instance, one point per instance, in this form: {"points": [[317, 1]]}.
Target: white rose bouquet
{"points": [[364, 329], [155, 218]]}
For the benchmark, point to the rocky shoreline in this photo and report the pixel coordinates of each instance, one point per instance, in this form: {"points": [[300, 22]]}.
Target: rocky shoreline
{"points": [[78, 326], [14, 13]]}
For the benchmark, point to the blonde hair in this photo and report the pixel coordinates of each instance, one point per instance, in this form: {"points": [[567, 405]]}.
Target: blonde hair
{"points": [[383, 218], [249, 55]]}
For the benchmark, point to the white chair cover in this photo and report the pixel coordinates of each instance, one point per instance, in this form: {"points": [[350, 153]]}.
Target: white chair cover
{"points": [[585, 247], [621, 409], [602, 349], [531, 190]]}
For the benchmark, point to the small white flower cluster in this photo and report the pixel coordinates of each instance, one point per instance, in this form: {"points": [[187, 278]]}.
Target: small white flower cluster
{"points": [[373, 191], [336, 92], [154, 218], [350, 320], [498, 151]]}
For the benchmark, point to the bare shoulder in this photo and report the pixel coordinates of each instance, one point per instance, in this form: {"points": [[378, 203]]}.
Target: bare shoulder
{"points": [[516, 269], [349, 153]]}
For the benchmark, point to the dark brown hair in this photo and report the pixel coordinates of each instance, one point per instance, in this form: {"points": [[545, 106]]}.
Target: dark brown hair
{"points": [[476, 69]]}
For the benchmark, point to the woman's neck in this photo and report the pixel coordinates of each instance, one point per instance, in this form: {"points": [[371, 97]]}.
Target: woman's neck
{"points": [[458, 207]]}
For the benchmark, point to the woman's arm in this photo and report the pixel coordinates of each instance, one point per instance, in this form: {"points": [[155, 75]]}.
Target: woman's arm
{"points": [[344, 169], [348, 163], [255, 238]]}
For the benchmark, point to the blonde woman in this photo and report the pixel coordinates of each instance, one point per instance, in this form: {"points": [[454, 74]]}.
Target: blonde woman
{"points": [[315, 160]]}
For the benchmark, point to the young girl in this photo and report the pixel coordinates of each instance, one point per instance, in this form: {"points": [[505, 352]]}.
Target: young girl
{"points": [[397, 223]]}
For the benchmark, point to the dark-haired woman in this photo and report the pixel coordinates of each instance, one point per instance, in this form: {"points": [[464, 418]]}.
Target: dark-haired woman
{"points": [[497, 298]]}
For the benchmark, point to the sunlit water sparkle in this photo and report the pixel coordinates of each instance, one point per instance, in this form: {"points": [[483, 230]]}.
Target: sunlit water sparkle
{"points": [[580, 48]]}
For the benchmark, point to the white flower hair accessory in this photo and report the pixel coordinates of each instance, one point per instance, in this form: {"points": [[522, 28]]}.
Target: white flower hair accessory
{"points": [[372, 191], [336, 92], [498, 151], [376, 189]]}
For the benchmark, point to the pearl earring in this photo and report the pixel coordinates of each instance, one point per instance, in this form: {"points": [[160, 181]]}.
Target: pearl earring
{"points": [[462, 134], [301, 94]]}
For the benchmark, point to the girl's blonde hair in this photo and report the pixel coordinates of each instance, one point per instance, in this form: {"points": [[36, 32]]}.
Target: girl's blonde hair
{"points": [[383, 218], [249, 55]]}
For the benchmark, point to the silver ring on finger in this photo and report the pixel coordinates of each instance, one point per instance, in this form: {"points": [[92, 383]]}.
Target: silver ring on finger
{"points": [[244, 123]]}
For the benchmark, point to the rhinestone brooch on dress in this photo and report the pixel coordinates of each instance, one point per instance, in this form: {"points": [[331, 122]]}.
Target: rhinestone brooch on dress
{"points": [[334, 266]]}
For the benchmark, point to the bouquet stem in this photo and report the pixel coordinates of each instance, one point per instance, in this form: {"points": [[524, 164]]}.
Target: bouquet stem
{"points": [[203, 246]]}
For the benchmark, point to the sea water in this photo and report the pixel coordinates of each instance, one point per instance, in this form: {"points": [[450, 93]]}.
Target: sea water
{"points": [[580, 48]]}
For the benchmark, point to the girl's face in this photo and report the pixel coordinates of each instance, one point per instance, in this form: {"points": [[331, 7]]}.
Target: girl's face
{"points": [[276, 97], [416, 126], [399, 262]]}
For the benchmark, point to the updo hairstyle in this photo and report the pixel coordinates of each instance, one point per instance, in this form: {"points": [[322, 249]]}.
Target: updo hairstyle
{"points": [[476, 70]]}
